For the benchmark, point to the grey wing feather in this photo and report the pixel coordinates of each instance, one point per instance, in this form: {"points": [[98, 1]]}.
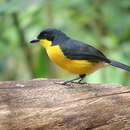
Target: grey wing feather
{"points": [[76, 50]]}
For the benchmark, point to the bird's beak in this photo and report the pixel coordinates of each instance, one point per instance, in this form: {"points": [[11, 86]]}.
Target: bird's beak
{"points": [[34, 40]]}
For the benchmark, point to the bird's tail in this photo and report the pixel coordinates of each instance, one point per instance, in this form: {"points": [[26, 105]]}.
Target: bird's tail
{"points": [[119, 65]]}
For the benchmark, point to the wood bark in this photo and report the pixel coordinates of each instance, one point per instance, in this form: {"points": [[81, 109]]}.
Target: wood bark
{"points": [[40, 104]]}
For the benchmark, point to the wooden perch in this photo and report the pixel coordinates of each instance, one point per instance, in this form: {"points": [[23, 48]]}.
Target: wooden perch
{"points": [[40, 104]]}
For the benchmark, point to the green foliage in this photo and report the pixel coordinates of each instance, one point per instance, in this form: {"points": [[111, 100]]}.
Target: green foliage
{"points": [[103, 24]]}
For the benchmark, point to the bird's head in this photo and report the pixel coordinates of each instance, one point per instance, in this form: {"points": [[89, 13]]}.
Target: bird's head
{"points": [[47, 36]]}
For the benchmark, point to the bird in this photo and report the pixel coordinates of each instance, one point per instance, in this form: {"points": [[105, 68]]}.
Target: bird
{"points": [[73, 55]]}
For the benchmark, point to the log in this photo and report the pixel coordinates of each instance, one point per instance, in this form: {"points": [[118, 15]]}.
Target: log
{"points": [[40, 104]]}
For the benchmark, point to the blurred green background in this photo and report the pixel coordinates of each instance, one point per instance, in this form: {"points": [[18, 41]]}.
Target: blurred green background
{"points": [[104, 24]]}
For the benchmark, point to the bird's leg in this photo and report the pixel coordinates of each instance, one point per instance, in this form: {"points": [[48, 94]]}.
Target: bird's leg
{"points": [[68, 81], [80, 78]]}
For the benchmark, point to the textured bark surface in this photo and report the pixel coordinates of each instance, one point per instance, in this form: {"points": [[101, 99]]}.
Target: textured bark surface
{"points": [[40, 104]]}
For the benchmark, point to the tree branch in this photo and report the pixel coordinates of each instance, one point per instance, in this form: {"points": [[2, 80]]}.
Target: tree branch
{"points": [[42, 104]]}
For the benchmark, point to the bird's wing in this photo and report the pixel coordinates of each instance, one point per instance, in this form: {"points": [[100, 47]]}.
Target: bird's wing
{"points": [[76, 50]]}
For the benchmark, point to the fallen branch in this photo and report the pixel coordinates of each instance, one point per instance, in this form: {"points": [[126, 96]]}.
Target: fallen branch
{"points": [[43, 105]]}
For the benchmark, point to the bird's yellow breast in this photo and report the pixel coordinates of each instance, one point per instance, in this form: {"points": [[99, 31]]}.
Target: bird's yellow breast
{"points": [[73, 66]]}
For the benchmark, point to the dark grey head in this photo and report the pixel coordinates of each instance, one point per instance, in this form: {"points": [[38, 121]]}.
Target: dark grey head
{"points": [[50, 34]]}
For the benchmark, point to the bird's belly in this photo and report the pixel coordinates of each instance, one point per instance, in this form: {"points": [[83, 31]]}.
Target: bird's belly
{"points": [[73, 66]]}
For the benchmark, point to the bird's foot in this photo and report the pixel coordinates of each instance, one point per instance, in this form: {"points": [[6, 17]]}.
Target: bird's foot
{"points": [[80, 78], [61, 83], [70, 81], [67, 81]]}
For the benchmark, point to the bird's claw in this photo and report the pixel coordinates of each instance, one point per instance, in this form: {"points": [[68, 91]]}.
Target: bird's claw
{"points": [[66, 82], [60, 82]]}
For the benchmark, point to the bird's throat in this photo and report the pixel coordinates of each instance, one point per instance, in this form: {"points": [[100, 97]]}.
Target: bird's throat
{"points": [[45, 43]]}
